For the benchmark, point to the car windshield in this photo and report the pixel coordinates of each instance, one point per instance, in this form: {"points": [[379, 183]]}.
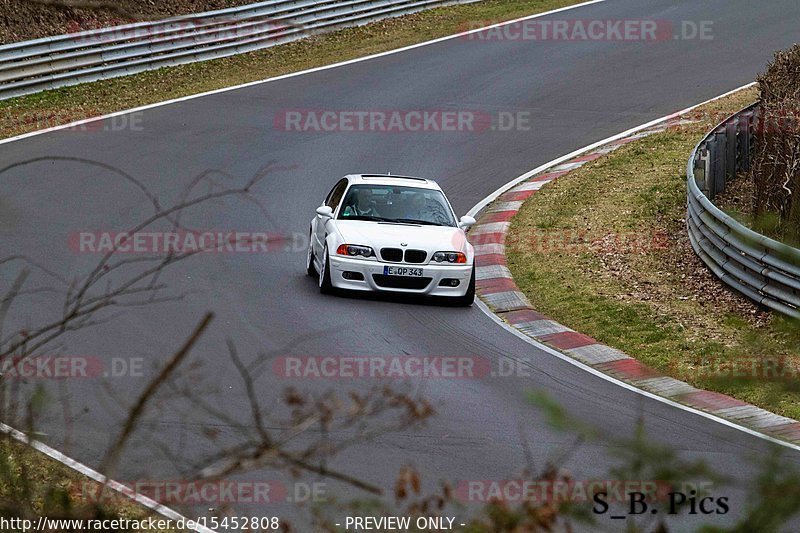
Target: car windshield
{"points": [[403, 205]]}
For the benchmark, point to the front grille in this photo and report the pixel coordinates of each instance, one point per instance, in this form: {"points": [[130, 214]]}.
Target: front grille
{"points": [[400, 282], [395, 255], [416, 256]]}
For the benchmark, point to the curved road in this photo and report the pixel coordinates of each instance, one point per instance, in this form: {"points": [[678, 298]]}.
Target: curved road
{"points": [[576, 93]]}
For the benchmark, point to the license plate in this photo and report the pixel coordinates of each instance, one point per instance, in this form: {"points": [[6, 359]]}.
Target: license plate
{"points": [[402, 271]]}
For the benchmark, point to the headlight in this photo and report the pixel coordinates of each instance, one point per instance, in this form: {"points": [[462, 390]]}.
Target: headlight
{"points": [[355, 250], [449, 257]]}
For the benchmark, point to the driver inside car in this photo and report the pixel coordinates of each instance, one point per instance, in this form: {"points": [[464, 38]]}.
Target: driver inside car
{"points": [[362, 206], [417, 208]]}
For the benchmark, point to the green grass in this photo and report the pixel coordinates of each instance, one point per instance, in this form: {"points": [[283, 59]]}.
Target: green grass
{"points": [[58, 106], [32, 484], [656, 303]]}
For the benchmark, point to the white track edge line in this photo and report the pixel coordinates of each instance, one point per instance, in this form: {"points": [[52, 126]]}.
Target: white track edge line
{"points": [[54, 454], [293, 74], [483, 307], [552, 351]]}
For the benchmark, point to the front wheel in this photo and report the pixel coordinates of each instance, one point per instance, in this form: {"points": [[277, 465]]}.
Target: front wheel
{"points": [[325, 285], [469, 297]]}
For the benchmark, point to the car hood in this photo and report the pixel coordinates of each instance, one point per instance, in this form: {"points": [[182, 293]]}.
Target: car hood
{"points": [[381, 235]]}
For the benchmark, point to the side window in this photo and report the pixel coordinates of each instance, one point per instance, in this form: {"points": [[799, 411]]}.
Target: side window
{"points": [[335, 196]]}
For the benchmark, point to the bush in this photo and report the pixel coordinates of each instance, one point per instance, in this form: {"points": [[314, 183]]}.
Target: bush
{"points": [[776, 162]]}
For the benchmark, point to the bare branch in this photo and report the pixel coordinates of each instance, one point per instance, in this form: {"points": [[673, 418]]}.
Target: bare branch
{"points": [[136, 411]]}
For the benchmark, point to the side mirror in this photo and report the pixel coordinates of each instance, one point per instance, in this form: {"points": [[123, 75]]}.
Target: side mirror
{"points": [[465, 222], [325, 211]]}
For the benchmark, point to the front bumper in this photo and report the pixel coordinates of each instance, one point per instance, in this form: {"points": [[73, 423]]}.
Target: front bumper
{"points": [[339, 265]]}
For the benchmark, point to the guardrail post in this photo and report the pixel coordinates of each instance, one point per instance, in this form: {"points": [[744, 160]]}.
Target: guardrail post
{"points": [[730, 152], [716, 165], [720, 159], [701, 167], [712, 167], [716, 183], [743, 125]]}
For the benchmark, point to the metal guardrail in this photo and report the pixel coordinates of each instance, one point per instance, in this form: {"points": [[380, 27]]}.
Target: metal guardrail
{"points": [[32, 66], [761, 268]]}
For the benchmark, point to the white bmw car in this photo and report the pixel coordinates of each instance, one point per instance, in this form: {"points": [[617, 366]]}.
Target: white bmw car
{"points": [[391, 233]]}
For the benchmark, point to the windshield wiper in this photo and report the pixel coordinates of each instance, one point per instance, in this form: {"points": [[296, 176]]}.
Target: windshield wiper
{"points": [[417, 221], [391, 220], [366, 217]]}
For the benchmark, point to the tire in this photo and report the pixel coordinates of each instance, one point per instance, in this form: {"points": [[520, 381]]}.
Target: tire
{"points": [[325, 285], [469, 297], [311, 270]]}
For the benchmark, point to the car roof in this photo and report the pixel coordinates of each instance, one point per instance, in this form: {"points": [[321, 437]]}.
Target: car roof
{"points": [[391, 179]]}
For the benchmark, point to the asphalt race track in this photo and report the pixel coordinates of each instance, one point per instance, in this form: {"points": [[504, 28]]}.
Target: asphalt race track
{"points": [[575, 93]]}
